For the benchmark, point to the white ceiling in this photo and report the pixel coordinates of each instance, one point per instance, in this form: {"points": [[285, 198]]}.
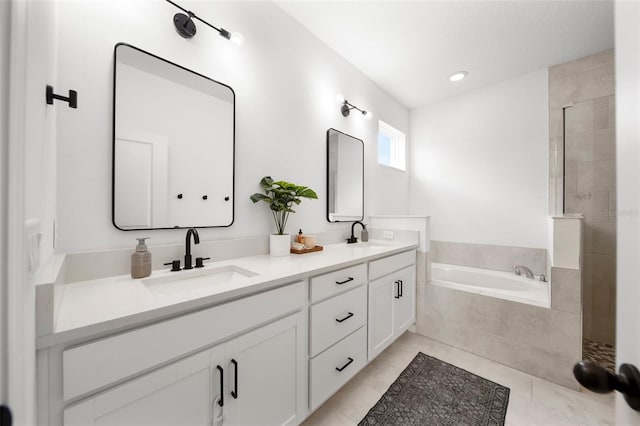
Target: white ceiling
{"points": [[409, 48]]}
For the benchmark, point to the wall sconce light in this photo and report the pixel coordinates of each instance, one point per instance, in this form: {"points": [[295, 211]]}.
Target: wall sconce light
{"points": [[346, 107], [187, 28]]}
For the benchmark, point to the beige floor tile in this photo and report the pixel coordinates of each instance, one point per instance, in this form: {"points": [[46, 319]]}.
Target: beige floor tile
{"points": [[524, 413], [532, 401], [325, 417], [355, 400]]}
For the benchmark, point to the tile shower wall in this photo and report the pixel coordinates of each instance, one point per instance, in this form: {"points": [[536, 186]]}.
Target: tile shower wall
{"points": [[486, 256], [589, 186]]}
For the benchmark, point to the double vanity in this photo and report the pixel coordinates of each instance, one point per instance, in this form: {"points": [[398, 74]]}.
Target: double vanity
{"points": [[250, 340], [257, 340]]}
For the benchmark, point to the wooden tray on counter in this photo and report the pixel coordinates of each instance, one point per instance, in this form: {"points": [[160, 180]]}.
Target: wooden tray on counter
{"points": [[306, 250]]}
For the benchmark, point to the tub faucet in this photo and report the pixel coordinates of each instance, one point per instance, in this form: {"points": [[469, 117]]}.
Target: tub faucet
{"points": [[196, 240], [352, 239], [519, 269]]}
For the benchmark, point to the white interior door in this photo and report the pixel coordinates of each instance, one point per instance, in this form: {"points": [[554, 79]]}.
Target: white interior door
{"points": [[627, 38], [141, 181], [4, 145]]}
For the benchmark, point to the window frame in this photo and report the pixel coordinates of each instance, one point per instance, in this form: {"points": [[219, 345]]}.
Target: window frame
{"points": [[398, 144]]}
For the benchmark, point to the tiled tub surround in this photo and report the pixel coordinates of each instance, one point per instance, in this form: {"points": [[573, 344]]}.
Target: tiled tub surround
{"points": [[540, 341], [486, 256], [587, 88]]}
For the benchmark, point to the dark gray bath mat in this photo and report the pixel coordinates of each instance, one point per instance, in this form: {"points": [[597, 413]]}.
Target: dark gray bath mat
{"points": [[433, 392]]}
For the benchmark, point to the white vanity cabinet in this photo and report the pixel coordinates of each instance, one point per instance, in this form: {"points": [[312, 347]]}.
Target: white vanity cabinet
{"points": [[266, 379], [252, 379], [180, 393], [257, 377], [338, 338], [264, 357], [392, 302]]}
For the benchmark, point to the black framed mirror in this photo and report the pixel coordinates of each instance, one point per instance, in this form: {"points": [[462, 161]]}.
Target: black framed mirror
{"points": [[173, 145], [345, 177]]}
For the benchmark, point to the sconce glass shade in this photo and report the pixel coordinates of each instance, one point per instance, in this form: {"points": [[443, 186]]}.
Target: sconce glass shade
{"points": [[237, 39]]}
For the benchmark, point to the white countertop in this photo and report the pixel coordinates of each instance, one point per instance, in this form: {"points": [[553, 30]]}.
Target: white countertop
{"points": [[91, 309]]}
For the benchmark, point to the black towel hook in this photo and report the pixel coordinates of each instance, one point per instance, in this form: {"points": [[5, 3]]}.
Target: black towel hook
{"points": [[72, 99]]}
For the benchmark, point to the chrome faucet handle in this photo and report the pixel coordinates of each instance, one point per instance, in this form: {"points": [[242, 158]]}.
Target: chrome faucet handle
{"points": [[543, 278], [517, 270]]}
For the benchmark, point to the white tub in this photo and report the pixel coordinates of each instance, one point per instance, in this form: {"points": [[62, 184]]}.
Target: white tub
{"points": [[486, 282]]}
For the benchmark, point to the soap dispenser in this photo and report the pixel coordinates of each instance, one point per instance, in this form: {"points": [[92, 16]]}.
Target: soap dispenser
{"points": [[364, 235], [141, 260]]}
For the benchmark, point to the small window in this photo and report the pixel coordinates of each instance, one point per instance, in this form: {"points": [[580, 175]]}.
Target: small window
{"points": [[391, 147]]}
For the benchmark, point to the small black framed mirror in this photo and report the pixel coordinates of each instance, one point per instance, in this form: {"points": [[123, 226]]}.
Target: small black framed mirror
{"points": [[345, 177]]}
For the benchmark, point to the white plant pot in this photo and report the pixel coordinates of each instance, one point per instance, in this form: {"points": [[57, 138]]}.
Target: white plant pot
{"points": [[279, 245]]}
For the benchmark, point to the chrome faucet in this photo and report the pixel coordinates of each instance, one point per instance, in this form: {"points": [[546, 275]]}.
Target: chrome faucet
{"points": [[187, 244], [352, 239], [519, 269]]}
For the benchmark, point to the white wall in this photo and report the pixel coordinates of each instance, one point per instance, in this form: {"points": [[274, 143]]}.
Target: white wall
{"points": [[479, 164], [285, 82], [627, 15]]}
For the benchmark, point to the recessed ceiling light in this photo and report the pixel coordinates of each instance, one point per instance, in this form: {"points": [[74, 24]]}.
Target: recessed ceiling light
{"points": [[457, 76]]}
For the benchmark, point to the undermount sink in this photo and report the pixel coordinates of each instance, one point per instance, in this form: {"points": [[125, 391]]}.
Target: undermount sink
{"points": [[181, 282]]}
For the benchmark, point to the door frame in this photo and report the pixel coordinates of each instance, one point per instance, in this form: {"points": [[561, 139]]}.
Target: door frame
{"points": [[5, 13], [627, 44], [18, 310]]}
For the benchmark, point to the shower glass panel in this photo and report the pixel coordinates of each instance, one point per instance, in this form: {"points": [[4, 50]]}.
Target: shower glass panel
{"points": [[589, 180]]}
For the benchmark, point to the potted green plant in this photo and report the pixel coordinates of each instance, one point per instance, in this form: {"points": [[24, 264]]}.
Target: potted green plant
{"points": [[281, 196]]}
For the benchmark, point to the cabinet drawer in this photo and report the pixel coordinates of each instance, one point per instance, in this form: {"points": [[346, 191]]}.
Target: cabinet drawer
{"points": [[102, 362], [334, 367], [327, 285], [381, 267], [337, 317]]}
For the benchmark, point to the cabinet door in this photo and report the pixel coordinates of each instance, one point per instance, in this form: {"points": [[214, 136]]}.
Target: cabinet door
{"points": [[405, 306], [381, 326], [265, 377], [182, 393]]}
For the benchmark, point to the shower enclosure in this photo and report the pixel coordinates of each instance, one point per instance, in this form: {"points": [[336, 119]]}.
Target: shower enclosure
{"points": [[585, 182]]}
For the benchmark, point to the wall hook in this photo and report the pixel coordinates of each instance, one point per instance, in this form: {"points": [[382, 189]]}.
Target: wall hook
{"points": [[72, 99], [204, 197], [226, 198], [180, 196]]}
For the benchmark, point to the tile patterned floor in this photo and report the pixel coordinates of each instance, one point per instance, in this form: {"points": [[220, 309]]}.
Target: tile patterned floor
{"points": [[600, 353], [532, 401]]}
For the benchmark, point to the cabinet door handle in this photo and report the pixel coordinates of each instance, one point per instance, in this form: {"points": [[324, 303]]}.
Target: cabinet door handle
{"points": [[234, 392], [221, 400], [397, 295], [346, 365], [345, 281], [401, 287], [345, 318]]}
